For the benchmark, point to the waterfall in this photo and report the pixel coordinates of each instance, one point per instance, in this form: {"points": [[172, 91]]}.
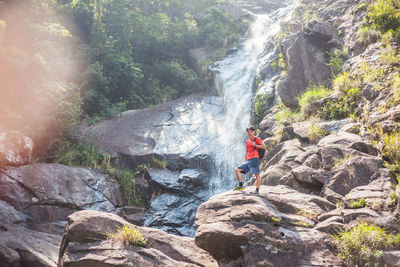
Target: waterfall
{"points": [[237, 74], [203, 140]]}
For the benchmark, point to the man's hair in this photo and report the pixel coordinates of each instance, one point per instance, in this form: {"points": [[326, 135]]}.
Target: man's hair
{"points": [[251, 128]]}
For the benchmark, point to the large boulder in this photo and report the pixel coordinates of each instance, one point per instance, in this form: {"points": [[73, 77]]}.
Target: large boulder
{"points": [[15, 148], [84, 243], [48, 193], [269, 229], [23, 247]]}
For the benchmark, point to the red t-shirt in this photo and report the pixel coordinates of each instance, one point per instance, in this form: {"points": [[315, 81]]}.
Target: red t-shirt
{"points": [[251, 151]]}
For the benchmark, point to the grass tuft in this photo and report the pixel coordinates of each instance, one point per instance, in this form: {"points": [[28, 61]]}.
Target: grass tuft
{"points": [[363, 245], [129, 235]]}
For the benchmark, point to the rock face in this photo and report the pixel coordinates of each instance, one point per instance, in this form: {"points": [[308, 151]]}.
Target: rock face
{"points": [[306, 56], [35, 201], [266, 229], [15, 148], [84, 244], [181, 132]]}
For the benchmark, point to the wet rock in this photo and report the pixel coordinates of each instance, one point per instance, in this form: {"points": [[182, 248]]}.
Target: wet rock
{"points": [[84, 242], [180, 222], [15, 148]]}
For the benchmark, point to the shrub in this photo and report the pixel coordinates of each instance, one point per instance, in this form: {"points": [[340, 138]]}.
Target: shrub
{"points": [[315, 133], [311, 95], [363, 245], [356, 204], [382, 16], [350, 97], [286, 115], [129, 235], [260, 106], [391, 150], [337, 59]]}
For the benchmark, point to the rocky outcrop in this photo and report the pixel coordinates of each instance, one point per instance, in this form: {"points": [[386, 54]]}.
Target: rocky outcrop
{"points": [[84, 243], [35, 201], [15, 148], [306, 56], [178, 132], [274, 228]]}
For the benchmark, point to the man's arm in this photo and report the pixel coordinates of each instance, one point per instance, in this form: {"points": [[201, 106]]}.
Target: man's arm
{"points": [[259, 143]]}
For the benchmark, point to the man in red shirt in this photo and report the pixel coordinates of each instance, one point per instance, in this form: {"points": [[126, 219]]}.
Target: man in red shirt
{"points": [[252, 159]]}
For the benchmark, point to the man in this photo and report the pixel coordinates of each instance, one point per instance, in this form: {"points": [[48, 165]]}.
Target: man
{"points": [[252, 159]]}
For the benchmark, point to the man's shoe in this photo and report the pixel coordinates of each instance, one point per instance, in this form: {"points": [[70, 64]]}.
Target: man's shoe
{"points": [[239, 188], [254, 193]]}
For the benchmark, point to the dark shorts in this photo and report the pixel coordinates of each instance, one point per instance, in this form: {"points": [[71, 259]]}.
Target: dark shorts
{"points": [[252, 165]]}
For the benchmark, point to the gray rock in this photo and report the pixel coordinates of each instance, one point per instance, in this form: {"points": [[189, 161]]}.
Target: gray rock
{"points": [[265, 230], [84, 243], [15, 148], [306, 60], [357, 171], [48, 193], [391, 258], [364, 147], [351, 127], [23, 247]]}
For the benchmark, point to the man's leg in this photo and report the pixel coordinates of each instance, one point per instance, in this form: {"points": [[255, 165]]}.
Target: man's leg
{"points": [[258, 181], [239, 175]]}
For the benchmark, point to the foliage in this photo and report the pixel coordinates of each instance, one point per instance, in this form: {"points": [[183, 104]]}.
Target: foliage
{"points": [[260, 106], [363, 245], [337, 59], [279, 63], [391, 150], [383, 16], [356, 204], [311, 95], [138, 49], [361, 7], [158, 163], [348, 101], [285, 115], [316, 133], [129, 235]]}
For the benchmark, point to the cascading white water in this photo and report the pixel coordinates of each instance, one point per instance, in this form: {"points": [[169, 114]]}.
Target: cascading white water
{"points": [[236, 74], [210, 130]]}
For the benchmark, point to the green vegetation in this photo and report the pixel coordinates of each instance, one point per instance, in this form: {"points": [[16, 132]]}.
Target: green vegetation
{"points": [[260, 105], [312, 94], [360, 8], [363, 245], [276, 221], [96, 58], [285, 115], [279, 63], [129, 235], [348, 100], [337, 59], [316, 133], [356, 204], [383, 16]]}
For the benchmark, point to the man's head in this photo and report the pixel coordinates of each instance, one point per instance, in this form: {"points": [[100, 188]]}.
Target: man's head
{"points": [[250, 131]]}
